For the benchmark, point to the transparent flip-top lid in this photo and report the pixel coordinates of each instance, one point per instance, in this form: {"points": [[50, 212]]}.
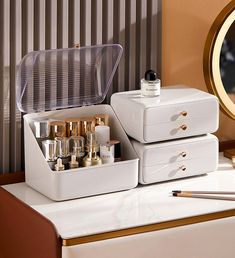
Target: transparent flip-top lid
{"points": [[62, 78]]}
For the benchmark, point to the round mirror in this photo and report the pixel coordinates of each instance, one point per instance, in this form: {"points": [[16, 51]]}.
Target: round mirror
{"points": [[219, 59]]}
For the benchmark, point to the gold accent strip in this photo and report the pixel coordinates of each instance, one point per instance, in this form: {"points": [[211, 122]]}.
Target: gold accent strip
{"points": [[211, 57], [149, 228]]}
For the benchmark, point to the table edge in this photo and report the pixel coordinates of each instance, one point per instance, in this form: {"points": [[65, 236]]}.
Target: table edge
{"points": [[149, 228]]}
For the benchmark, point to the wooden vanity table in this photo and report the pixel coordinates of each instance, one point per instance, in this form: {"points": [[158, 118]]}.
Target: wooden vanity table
{"points": [[143, 222]]}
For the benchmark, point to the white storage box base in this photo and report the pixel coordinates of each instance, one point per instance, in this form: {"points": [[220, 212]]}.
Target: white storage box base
{"points": [[177, 159], [81, 182]]}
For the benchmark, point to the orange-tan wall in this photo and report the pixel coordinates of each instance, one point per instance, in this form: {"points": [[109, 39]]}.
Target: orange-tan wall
{"points": [[185, 25]]}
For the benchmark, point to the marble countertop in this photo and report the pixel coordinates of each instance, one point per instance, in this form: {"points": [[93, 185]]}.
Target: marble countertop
{"points": [[137, 207]]}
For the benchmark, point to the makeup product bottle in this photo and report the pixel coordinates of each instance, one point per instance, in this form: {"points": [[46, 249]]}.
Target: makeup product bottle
{"points": [[59, 165], [73, 163], [117, 150], [150, 85], [73, 127], [77, 147], [101, 119], [57, 129], [49, 151], [41, 130], [91, 159], [63, 150], [107, 153], [87, 125], [102, 133]]}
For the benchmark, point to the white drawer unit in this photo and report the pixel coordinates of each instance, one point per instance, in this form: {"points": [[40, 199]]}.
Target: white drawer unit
{"points": [[177, 113], [176, 159]]}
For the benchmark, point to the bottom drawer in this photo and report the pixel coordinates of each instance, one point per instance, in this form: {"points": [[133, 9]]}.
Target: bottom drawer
{"points": [[176, 159]]}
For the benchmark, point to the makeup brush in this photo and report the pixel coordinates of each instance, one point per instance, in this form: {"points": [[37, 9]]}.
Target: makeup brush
{"points": [[203, 196]]}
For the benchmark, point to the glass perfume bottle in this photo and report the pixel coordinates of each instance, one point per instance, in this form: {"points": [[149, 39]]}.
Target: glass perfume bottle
{"points": [[63, 150], [41, 130], [150, 85], [49, 148], [91, 159]]}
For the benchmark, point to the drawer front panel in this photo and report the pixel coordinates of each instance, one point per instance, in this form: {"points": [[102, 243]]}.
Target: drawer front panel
{"points": [[180, 129], [179, 112], [165, 172], [182, 150]]}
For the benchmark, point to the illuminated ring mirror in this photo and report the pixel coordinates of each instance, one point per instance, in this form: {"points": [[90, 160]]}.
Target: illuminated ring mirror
{"points": [[219, 59]]}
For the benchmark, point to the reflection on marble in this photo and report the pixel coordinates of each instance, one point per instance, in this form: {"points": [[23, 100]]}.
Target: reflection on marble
{"points": [[136, 207]]}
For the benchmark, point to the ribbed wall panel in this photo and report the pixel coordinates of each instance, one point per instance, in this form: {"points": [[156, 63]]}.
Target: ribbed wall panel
{"points": [[27, 25]]}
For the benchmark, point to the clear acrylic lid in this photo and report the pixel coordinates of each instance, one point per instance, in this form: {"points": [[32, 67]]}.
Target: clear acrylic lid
{"points": [[62, 78]]}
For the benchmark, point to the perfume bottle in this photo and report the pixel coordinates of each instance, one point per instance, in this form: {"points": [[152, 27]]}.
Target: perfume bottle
{"points": [[73, 127], [87, 125], [49, 148], [91, 159], [101, 119], [41, 130], [150, 85], [63, 150], [77, 147], [57, 129]]}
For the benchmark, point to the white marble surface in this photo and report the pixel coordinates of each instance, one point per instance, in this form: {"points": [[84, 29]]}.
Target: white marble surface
{"points": [[140, 206]]}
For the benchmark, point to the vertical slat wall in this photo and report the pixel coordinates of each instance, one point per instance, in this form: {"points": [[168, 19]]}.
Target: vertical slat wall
{"points": [[27, 25]]}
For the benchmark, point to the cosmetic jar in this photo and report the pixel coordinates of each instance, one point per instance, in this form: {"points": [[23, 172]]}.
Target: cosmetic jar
{"points": [[117, 150], [107, 153]]}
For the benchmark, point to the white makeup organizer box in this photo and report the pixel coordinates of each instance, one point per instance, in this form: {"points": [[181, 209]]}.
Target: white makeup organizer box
{"points": [[163, 129], [72, 80]]}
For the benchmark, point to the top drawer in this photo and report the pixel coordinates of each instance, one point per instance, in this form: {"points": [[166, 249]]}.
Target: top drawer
{"points": [[177, 113], [181, 112]]}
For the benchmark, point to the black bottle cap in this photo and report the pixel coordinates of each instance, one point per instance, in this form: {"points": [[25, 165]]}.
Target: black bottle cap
{"points": [[150, 75]]}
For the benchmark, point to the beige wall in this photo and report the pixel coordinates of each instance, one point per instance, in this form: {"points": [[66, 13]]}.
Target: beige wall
{"points": [[185, 26]]}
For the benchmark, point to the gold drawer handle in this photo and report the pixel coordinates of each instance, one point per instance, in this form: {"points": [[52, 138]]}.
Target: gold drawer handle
{"points": [[183, 127], [183, 168], [183, 154], [184, 113]]}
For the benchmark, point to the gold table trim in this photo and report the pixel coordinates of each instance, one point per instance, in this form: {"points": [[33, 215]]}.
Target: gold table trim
{"points": [[149, 228]]}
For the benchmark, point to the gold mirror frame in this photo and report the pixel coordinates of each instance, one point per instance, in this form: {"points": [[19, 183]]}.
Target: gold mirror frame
{"points": [[211, 57]]}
